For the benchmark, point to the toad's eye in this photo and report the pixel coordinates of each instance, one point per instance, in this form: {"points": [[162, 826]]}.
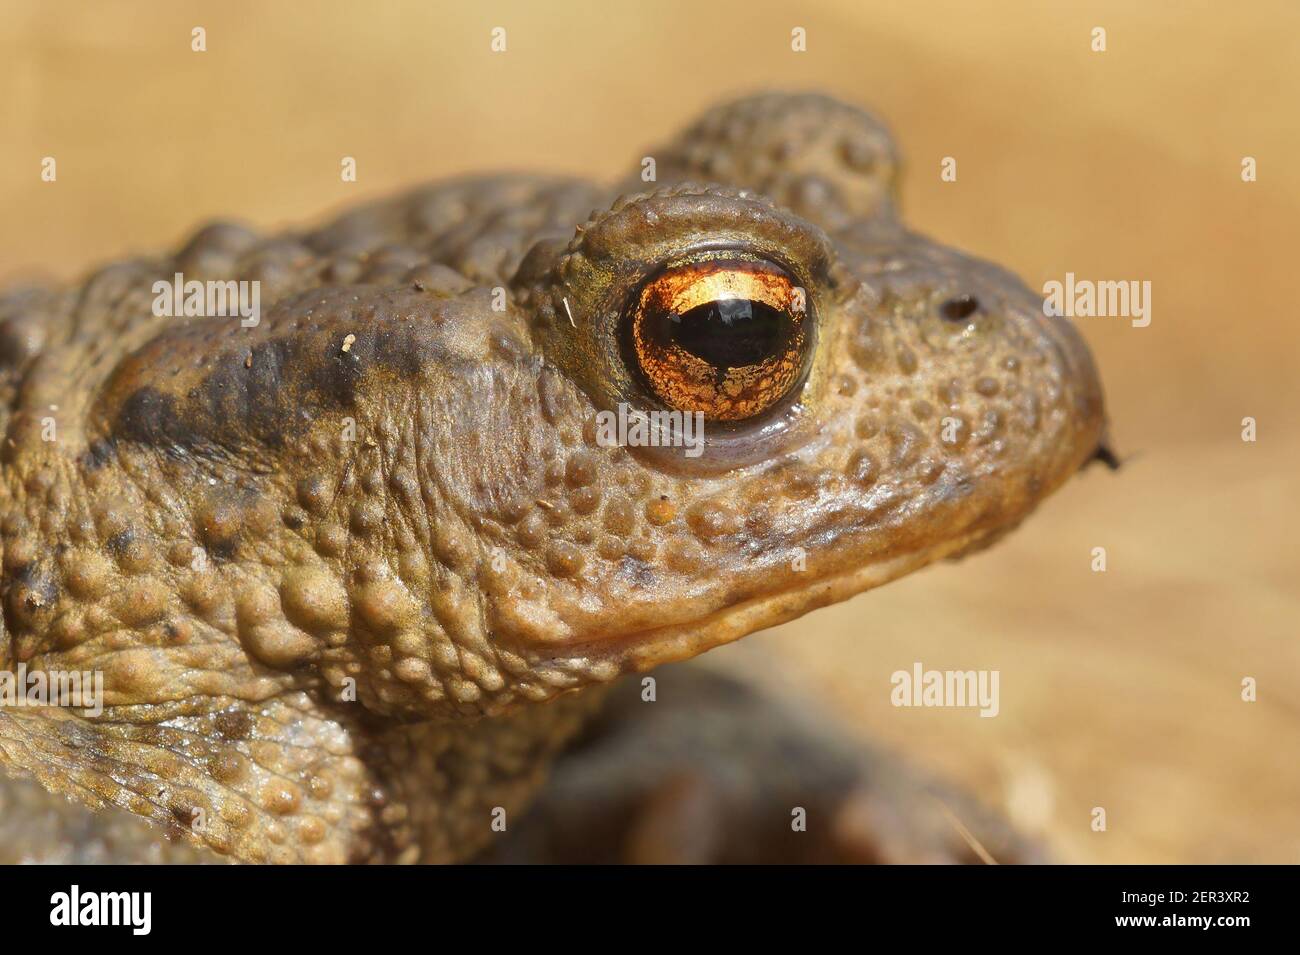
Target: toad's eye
{"points": [[728, 337]]}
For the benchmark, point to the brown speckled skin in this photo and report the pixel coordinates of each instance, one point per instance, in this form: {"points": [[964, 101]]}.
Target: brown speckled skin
{"points": [[390, 485]]}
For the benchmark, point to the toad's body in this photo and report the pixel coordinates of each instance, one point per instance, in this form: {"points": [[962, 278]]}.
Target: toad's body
{"points": [[350, 574]]}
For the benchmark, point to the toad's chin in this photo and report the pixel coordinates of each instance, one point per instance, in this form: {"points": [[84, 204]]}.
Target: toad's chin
{"points": [[645, 649]]}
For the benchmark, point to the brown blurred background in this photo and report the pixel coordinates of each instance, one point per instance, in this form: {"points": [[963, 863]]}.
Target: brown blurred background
{"points": [[1120, 689]]}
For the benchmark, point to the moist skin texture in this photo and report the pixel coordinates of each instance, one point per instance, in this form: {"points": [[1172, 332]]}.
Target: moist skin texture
{"points": [[353, 576]]}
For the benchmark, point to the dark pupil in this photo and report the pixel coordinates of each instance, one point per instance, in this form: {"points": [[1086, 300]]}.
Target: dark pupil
{"points": [[730, 333]]}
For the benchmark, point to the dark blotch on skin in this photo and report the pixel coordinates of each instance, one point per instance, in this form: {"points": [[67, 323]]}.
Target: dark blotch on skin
{"points": [[27, 595], [97, 455], [233, 725], [118, 544], [266, 395], [150, 417]]}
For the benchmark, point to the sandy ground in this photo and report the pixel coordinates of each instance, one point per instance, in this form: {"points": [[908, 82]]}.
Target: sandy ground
{"points": [[1119, 690]]}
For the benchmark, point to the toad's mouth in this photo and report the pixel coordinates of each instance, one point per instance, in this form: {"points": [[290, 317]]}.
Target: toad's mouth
{"points": [[642, 650]]}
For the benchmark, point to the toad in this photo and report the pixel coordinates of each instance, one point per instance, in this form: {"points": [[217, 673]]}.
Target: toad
{"points": [[354, 573]]}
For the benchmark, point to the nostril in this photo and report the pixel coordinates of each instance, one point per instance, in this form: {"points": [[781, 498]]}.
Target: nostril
{"points": [[960, 307]]}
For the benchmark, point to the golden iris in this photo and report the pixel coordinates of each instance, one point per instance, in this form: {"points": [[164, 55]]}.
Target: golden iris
{"points": [[727, 337]]}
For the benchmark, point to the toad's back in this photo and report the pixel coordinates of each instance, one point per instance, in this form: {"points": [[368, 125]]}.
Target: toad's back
{"points": [[61, 342]]}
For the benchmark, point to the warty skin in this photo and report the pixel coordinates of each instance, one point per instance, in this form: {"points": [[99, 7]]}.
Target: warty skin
{"points": [[353, 576]]}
